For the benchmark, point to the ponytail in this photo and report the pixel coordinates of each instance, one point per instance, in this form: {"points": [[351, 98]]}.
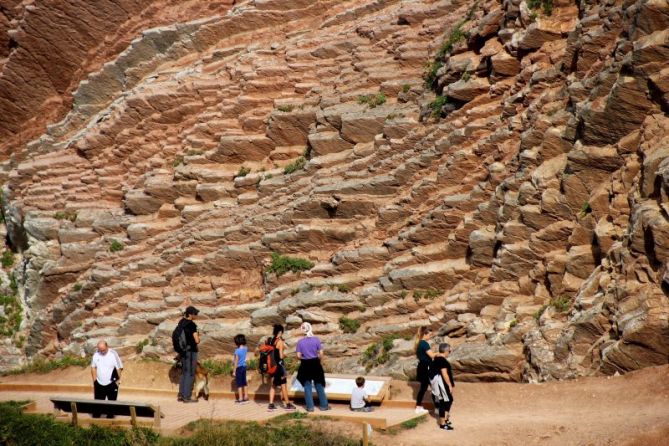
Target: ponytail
{"points": [[420, 333]]}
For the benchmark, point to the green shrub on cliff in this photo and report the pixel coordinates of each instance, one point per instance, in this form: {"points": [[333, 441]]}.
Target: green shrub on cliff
{"points": [[282, 264]]}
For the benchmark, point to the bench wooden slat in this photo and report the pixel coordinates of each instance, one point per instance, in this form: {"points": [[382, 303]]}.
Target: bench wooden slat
{"points": [[109, 407]]}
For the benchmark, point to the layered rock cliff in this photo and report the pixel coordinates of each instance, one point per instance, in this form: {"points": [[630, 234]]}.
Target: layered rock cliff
{"points": [[496, 170]]}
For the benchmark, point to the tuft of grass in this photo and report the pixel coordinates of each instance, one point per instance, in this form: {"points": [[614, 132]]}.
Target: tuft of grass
{"points": [[65, 215], [431, 71], [217, 367], [379, 352], [513, 323], [243, 171], [77, 287], [406, 88], [372, 100], [545, 5], [10, 321], [343, 288], [430, 293], [585, 209], [286, 108], [295, 165], [282, 264], [455, 36], [437, 105], [561, 304], [179, 160], [115, 246], [413, 423], [539, 312], [7, 259], [348, 325], [466, 76], [41, 366], [139, 348]]}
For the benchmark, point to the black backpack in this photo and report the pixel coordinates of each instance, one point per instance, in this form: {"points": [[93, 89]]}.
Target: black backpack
{"points": [[179, 341], [266, 361]]}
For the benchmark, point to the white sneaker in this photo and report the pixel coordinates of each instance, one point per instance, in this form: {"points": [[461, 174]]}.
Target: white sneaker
{"points": [[420, 410]]}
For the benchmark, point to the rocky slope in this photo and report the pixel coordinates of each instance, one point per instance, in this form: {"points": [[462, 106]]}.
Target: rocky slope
{"points": [[516, 201]]}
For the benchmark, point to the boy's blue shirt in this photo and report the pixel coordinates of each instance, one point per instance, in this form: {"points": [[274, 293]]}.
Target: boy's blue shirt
{"points": [[240, 352]]}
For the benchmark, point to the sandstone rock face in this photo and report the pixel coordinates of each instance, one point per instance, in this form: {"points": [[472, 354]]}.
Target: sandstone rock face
{"points": [[165, 150]]}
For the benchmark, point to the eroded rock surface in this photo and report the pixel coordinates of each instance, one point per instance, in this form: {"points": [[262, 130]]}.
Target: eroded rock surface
{"points": [[522, 212]]}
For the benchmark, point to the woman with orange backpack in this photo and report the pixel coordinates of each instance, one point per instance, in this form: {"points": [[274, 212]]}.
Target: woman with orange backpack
{"points": [[279, 377]]}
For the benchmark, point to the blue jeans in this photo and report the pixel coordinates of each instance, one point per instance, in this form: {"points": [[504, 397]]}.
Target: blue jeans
{"points": [[309, 397]]}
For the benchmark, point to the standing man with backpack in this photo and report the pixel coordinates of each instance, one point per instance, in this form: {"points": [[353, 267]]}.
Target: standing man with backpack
{"points": [[185, 339]]}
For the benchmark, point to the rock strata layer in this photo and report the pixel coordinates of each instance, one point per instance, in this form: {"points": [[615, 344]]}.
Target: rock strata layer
{"points": [[516, 202]]}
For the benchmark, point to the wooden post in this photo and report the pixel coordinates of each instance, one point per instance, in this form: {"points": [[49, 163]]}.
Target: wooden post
{"points": [[365, 434], [73, 406], [156, 417], [133, 416]]}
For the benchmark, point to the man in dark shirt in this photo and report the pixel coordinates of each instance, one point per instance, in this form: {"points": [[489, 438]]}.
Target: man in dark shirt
{"points": [[442, 390], [189, 357]]}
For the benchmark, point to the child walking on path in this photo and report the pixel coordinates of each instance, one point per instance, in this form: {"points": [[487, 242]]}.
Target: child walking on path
{"points": [[239, 369], [442, 386], [359, 398]]}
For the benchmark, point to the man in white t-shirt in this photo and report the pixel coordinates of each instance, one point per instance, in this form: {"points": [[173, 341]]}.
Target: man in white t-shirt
{"points": [[106, 368]]}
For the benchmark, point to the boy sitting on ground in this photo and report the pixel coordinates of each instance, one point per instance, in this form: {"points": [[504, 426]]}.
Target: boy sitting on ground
{"points": [[359, 398]]}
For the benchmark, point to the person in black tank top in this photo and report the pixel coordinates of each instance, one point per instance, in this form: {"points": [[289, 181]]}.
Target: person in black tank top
{"points": [[279, 378]]}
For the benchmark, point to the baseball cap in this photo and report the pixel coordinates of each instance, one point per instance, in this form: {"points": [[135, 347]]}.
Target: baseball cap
{"points": [[191, 310]]}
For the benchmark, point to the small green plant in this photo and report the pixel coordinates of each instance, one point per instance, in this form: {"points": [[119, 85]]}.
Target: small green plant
{"points": [[585, 209], [372, 100], [295, 165], [7, 259], [561, 304], [430, 293], [513, 323], [194, 152], [431, 70], [343, 288], [413, 423], [286, 108], [243, 171], [392, 116], [406, 88], [13, 284], [179, 160], [10, 321], [115, 246], [139, 348], [20, 342], [466, 76], [348, 325], [217, 367], [282, 264], [41, 365], [77, 287], [403, 294], [65, 215], [539, 312], [545, 5], [454, 37], [437, 105], [268, 176]]}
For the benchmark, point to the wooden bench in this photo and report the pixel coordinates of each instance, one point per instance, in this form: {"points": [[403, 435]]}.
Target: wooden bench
{"points": [[338, 387], [127, 408]]}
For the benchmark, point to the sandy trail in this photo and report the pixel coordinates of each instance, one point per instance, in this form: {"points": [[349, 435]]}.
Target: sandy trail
{"points": [[628, 410]]}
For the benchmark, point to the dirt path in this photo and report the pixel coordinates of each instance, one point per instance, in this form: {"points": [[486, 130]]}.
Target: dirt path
{"points": [[627, 410]]}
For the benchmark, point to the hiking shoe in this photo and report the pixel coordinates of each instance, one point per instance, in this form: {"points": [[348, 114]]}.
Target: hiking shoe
{"points": [[310, 410], [420, 410], [271, 408], [180, 398], [290, 407], [244, 402], [188, 400], [446, 427], [238, 401], [323, 409]]}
